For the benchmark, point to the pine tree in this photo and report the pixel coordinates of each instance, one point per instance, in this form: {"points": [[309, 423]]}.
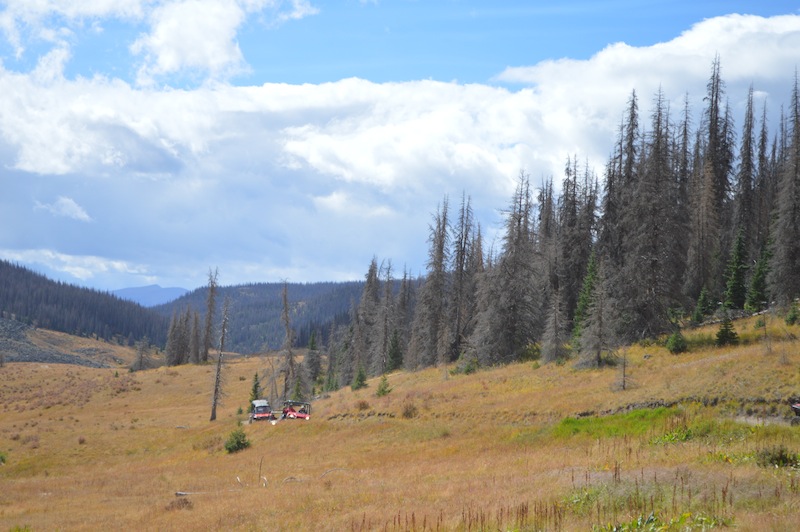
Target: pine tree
{"points": [[783, 278], [598, 337], [757, 296], [726, 335], [255, 391], [585, 296], [383, 387], [313, 361], [360, 380], [735, 285], [703, 308], [509, 318], [395, 352]]}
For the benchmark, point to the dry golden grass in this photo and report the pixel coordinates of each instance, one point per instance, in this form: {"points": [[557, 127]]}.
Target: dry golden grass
{"points": [[517, 447]]}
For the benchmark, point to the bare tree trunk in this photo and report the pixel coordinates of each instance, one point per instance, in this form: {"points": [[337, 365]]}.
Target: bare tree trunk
{"points": [[218, 376], [289, 370], [210, 304]]}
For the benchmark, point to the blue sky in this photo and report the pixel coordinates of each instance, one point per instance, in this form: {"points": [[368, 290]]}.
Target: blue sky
{"points": [[146, 141]]}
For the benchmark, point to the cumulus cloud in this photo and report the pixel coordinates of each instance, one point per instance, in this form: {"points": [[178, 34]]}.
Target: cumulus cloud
{"points": [[281, 179], [188, 37], [84, 267], [66, 208]]}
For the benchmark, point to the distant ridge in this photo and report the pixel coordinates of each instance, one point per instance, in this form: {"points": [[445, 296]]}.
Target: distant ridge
{"points": [[151, 295]]}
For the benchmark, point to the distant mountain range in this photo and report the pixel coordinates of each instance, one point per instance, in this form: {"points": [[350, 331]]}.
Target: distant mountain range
{"points": [[125, 316], [151, 295]]}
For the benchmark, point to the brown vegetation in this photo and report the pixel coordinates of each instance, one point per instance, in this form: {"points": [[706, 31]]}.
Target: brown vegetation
{"points": [[521, 446]]}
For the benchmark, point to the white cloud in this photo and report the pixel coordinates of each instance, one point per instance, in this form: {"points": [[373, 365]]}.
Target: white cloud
{"points": [[37, 16], [197, 38], [191, 34], [299, 180], [66, 208], [84, 267]]}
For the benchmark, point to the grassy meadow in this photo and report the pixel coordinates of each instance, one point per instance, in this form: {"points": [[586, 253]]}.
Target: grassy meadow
{"points": [[694, 441]]}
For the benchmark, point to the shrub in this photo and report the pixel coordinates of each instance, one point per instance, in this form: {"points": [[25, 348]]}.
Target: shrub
{"points": [[676, 343], [409, 410], [466, 366], [793, 315], [362, 405], [777, 457], [237, 441], [383, 387], [2, 457]]}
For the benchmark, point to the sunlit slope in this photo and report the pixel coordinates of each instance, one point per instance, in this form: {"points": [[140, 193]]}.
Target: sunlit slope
{"points": [[518, 447]]}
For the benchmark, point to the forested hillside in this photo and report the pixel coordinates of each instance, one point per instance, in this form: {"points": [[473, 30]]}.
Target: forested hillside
{"points": [[33, 299], [692, 216], [255, 312]]}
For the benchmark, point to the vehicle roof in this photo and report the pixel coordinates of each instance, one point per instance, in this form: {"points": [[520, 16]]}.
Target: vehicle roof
{"points": [[260, 402]]}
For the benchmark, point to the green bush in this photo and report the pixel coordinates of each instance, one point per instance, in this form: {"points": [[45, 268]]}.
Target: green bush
{"points": [[793, 315], [777, 457], [237, 441], [2, 457], [383, 387], [360, 380], [676, 343]]}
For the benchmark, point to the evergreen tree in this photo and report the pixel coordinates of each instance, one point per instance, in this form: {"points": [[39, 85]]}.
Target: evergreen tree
{"points": [[194, 339], [383, 387], [509, 319], [313, 360], [360, 380], [703, 308], [726, 335], [395, 352], [585, 296], [555, 336], [757, 296], [598, 337], [255, 391], [735, 285], [783, 278]]}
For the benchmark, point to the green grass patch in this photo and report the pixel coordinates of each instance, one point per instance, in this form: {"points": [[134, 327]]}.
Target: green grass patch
{"points": [[634, 423]]}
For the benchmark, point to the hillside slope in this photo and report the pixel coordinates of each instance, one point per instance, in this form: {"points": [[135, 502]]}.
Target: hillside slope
{"points": [[516, 447], [23, 343]]}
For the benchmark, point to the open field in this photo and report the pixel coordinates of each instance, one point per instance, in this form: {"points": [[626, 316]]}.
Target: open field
{"points": [[519, 447]]}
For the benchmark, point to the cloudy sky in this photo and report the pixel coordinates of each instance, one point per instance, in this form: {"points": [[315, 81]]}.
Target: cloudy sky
{"points": [[146, 141]]}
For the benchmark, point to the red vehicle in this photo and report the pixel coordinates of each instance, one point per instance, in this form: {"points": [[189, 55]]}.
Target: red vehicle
{"points": [[296, 410], [261, 411]]}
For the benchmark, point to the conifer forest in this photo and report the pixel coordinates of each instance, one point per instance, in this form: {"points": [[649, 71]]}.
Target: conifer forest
{"points": [[692, 218]]}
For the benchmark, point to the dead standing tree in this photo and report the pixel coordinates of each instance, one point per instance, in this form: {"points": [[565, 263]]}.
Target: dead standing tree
{"points": [[288, 368], [218, 374], [208, 333]]}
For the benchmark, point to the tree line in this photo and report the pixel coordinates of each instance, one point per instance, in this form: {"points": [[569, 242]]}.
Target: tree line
{"points": [[31, 298], [688, 221]]}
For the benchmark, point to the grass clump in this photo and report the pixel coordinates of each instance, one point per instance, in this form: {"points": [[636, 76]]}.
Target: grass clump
{"points": [[632, 423], [237, 441], [3, 458], [410, 410], [778, 456]]}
